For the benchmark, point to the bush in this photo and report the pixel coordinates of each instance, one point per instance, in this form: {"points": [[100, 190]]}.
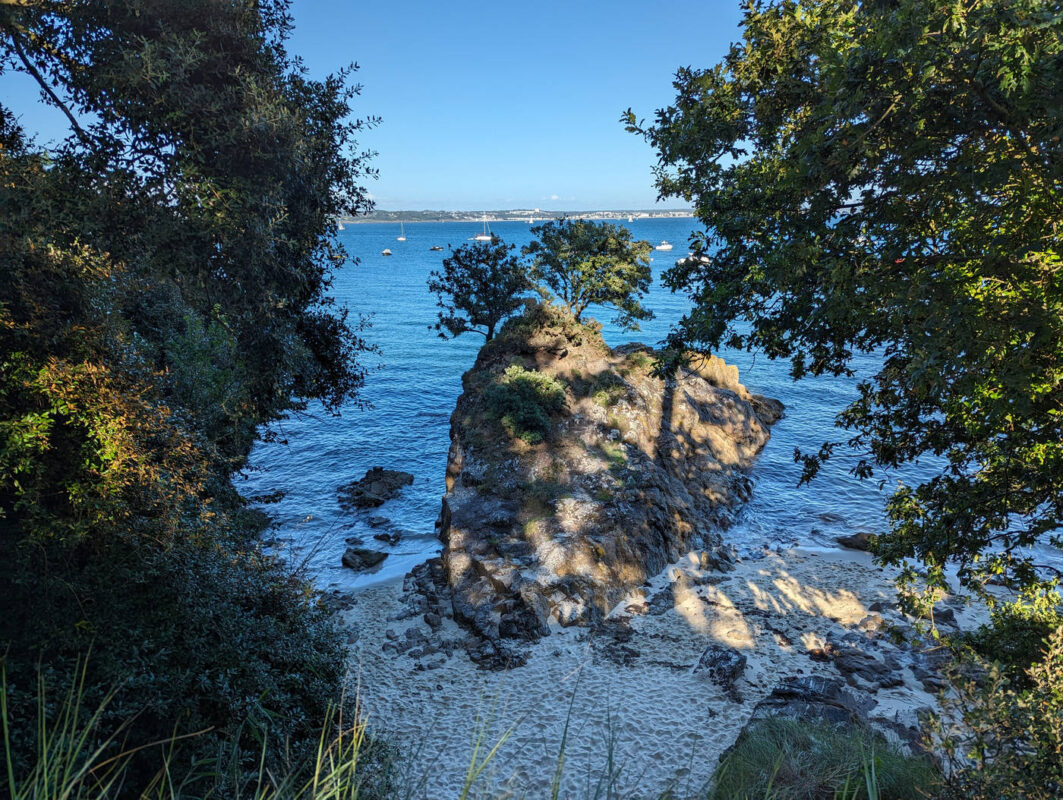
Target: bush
{"points": [[783, 759], [1018, 631], [523, 400], [1005, 737]]}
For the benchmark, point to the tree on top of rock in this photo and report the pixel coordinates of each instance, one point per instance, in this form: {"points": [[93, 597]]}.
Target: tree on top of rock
{"points": [[480, 285], [584, 263]]}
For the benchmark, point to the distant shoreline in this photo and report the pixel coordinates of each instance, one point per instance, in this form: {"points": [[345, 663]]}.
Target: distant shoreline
{"points": [[522, 215]]}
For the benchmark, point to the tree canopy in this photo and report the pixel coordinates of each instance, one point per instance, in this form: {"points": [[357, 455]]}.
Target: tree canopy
{"points": [[584, 262], [479, 286], [886, 178], [165, 270]]}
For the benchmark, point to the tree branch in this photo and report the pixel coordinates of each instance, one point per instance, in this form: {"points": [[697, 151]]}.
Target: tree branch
{"points": [[32, 70]]}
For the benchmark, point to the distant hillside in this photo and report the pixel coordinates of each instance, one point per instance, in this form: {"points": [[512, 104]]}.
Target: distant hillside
{"points": [[513, 215]]}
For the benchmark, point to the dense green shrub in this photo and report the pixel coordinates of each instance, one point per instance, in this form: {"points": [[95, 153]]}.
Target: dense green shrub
{"points": [[1009, 741], [784, 759], [1017, 633], [523, 400]]}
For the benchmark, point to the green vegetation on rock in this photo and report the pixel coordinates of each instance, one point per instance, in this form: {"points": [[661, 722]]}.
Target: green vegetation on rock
{"points": [[522, 401]]}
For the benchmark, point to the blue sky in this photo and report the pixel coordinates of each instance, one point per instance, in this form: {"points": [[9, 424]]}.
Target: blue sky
{"points": [[501, 105]]}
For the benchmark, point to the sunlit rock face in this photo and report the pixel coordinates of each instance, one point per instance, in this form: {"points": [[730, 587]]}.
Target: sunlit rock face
{"points": [[631, 472]]}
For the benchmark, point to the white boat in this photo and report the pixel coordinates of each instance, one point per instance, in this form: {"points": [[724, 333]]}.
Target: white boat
{"points": [[385, 252], [664, 245], [402, 233], [435, 247], [486, 235], [629, 219]]}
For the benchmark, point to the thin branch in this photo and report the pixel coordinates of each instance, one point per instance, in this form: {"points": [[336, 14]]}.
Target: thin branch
{"points": [[32, 70]]}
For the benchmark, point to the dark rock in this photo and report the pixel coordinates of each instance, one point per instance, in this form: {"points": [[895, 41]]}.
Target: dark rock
{"points": [[336, 601], [361, 558], [661, 602], [814, 698], [856, 541], [388, 538], [378, 522], [722, 665], [721, 558], [944, 616], [434, 621], [859, 666], [377, 487]]}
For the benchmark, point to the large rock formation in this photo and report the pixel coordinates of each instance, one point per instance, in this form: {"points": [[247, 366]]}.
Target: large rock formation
{"points": [[575, 473]]}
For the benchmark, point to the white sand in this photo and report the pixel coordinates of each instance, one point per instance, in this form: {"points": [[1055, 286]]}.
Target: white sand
{"points": [[662, 725]]}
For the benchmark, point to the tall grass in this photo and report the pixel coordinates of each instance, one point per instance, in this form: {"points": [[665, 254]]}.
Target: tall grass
{"points": [[772, 760], [75, 760], [785, 759]]}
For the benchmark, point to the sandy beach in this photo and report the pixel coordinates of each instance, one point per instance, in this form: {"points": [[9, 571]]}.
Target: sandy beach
{"points": [[639, 718]]}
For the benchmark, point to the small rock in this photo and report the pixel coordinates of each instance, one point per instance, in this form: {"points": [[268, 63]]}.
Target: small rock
{"points": [[388, 538], [722, 665], [944, 616], [378, 522], [857, 541], [661, 602], [433, 620], [362, 558], [872, 623]]}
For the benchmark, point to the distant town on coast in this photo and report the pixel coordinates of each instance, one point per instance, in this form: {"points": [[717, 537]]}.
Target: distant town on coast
{"points": [[514, 215]]}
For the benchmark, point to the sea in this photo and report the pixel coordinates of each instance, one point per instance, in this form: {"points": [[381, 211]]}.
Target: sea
{"points": [[401, 419]]}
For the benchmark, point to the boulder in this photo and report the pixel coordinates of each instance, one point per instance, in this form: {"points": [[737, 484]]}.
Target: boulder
{"points": [[362, 558], [811, 697], [374, 489], [722, 665], [856, 541]]}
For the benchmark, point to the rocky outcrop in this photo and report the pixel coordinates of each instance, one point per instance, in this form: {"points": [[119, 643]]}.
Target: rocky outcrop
{"points": [[374, 489], [558, 504]]}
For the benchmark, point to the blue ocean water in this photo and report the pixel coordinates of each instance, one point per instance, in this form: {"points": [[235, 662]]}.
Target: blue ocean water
{"points": [[415, 380]]}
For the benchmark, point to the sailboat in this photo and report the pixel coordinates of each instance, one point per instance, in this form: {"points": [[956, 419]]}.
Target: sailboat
{"points": [[402, 233], [486, 235]]}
